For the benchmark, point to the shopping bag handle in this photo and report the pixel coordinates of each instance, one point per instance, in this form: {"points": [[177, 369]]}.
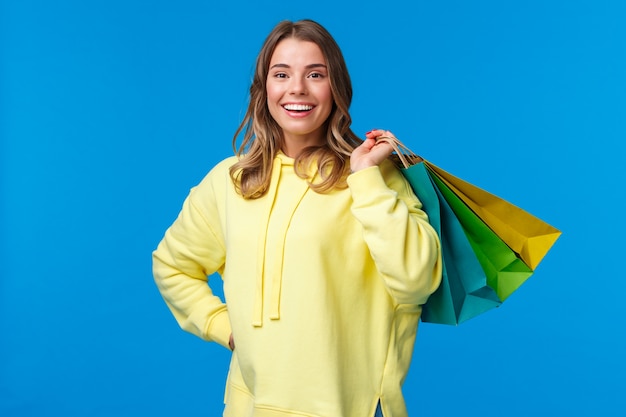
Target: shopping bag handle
{"points": [[403, 153]]}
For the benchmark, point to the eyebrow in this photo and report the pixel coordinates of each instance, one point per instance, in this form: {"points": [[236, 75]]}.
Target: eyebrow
{"points": [[310, 66]]}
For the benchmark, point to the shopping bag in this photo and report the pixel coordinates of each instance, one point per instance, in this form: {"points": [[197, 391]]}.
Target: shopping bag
{"points": [[504, 267]]}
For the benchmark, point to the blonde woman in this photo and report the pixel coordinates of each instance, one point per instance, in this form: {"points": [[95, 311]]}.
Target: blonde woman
{"points": [[325, 254]]}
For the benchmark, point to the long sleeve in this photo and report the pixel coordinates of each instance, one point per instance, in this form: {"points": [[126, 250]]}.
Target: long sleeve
{"points": [[402, 243], [193, 248]]}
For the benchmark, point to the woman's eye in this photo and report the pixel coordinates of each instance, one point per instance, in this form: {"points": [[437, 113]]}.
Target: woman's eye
{"points": [[317, 75]]}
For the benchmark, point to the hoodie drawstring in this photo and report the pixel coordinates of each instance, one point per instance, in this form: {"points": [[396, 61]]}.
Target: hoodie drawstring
{"points": [[277, 251]]}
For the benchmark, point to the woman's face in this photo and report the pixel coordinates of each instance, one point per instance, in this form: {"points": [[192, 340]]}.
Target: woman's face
{"points": [[298, 93]]}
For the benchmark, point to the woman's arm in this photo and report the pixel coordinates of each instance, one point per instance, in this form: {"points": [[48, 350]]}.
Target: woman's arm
{"points": [[192, 249], [404, 246]]}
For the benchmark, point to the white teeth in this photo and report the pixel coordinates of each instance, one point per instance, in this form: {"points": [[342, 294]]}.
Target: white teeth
{"points": [[297, 107]]}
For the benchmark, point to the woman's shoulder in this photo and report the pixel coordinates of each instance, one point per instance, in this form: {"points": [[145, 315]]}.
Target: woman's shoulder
{"points": [[218, 173], [221, 168], [224, 164], [392, 173]]}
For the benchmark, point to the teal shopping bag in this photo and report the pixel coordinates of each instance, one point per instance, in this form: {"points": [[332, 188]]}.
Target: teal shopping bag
{"points": [[464, 291]]}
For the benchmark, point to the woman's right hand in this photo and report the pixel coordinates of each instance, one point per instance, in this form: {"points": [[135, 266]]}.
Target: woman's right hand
{"points": [[231, 342], [370, 152]]}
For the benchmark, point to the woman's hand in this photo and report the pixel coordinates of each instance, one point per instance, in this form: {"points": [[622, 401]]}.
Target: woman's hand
{"points": [[370, 153], [231, 342]]}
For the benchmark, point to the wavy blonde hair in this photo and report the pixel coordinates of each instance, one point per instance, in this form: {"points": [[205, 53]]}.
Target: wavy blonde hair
{"points": [[263, 137]]}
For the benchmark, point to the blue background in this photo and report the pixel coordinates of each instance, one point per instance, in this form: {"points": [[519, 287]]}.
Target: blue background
{"points": [[111, 110]]}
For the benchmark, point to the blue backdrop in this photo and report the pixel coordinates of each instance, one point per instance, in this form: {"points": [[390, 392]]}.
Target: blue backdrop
{"points": [[111, 110]]}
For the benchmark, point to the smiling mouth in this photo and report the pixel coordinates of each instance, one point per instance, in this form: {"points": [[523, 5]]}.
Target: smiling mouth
{"points": [[298, 107]]}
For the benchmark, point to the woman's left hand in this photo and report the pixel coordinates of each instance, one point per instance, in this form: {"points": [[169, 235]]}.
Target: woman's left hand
{"points": [[371, 152]]}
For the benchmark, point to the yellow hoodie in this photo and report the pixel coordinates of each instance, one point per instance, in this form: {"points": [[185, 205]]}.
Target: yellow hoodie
{"points": [[324, 291]]}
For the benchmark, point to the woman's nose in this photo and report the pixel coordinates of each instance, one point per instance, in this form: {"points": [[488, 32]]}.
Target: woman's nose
{"points": [[297, 86]]}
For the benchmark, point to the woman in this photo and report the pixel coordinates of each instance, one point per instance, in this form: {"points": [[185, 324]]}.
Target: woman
{"points": [[324, 251]]}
